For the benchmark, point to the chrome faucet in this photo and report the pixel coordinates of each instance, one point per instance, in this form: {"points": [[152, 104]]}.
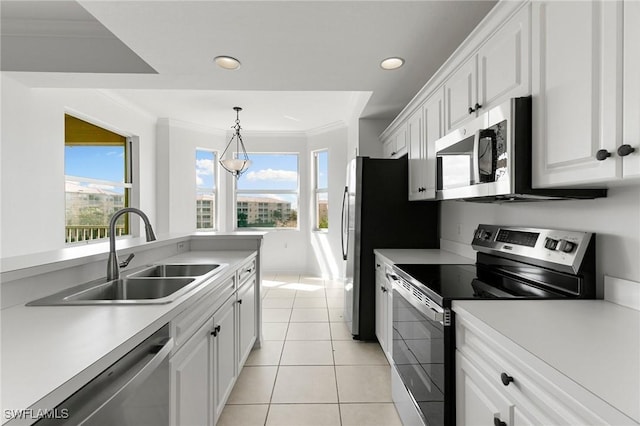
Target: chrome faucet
{"points": [[113, 267]]}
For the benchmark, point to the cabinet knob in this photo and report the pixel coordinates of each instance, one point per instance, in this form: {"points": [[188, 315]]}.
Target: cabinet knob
{"points": [[239, 301], [471, 110], [506, 379], [384, 290], [498, 422], [602, 154], [393, 153], [215, 331], [624, 150], [477, 106]]}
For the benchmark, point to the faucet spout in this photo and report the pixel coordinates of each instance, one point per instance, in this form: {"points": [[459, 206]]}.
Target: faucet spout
{"points": [[113, 267]]}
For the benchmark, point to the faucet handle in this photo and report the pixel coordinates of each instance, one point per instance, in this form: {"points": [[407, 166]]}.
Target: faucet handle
{"points": [[125, 262]]}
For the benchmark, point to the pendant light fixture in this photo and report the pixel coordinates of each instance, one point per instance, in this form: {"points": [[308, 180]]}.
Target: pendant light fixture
{"points": [[240, 163]]}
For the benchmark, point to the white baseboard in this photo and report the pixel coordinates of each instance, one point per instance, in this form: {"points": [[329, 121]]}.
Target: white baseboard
{"points": [[622, 292]]}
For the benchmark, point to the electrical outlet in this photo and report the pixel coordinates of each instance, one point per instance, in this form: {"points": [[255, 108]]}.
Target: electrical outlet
{"points": [[459, 228], [181, 246]]}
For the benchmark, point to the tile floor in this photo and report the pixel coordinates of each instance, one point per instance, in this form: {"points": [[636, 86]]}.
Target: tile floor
{"points": [[309, 370]]}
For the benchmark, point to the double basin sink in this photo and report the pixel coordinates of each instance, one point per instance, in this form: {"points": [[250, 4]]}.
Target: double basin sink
{"points": [[156, 284]]}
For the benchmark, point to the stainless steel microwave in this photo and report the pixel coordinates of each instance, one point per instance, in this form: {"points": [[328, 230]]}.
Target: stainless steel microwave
{"points": [[489, 159]]}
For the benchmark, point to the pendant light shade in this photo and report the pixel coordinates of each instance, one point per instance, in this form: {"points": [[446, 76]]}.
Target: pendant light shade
{"points": [[240, 163]]}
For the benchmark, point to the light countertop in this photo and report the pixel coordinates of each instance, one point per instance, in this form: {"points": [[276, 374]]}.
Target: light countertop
{"points": [[430, 256], [593, 342], [48, 352]]}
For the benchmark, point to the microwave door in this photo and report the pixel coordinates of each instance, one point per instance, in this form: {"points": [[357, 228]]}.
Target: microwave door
{"points": [[485, 154]]}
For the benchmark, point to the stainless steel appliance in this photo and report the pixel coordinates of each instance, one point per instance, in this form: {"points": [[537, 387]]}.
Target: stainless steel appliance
{"points": [[377, 213], [489, 159], [134, 391], [512, 262]]}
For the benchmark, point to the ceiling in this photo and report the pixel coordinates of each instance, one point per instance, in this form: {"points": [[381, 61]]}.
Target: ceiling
{"points": [[305, 64]]}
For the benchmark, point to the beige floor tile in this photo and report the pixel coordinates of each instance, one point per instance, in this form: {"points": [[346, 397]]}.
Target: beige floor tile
{"points": [[307, 352], [335, 302], [278, 303], [369, 415], [274, 330], [310, 302], [290, 278], [358, 353], [243, 415], [281, 293], [336, 314], [268, 354], [334, 284], [309, 290], [254, 386], [340, 331], [276, 315], [334, 293], [303, 415], [304, 384], [370, 383], [312, 280], [309, 315], [308, 331]]}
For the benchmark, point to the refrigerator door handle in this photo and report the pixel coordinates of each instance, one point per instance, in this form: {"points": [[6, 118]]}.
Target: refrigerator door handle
{"points": [[344, 235]]}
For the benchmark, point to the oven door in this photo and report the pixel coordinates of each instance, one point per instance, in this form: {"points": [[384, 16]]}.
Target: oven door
{"points": [[419, 350]]}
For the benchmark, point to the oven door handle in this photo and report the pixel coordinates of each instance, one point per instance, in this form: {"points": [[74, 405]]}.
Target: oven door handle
{"points": [[433, 315]]}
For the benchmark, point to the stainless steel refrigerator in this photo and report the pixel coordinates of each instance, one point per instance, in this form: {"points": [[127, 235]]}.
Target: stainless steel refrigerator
{"points": [[377, 214]]}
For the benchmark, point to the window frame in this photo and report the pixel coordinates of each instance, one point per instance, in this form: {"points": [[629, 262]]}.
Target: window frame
{"points": [[214, 190], [295, 192], [316, 190]]}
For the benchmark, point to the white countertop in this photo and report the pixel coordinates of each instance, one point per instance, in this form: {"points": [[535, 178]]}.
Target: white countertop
{"points": [[593, 342], [48, 352], [430, 256]]}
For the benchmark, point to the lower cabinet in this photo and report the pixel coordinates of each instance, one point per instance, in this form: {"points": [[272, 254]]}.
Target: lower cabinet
{"points": [[225, 366], [246, 319], [383, 307]]}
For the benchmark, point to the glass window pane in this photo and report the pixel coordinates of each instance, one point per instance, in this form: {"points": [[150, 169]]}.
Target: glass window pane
{"points": [[205, 162], [205, 189], [322, 209], [270, 171], [322, 169], [95, 162], [267, 211], [205, 210]]}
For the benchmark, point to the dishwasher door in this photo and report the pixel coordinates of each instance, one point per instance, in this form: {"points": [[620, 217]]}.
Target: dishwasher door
{"points": [[134, 391]]}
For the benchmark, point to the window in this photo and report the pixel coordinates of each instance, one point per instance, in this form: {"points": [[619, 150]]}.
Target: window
{"points": [[321, 189], [205, 189], [267, 194], [97, 180]]}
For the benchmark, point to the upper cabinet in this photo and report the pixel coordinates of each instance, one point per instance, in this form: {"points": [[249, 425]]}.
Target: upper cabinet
{"points": [[576, 86], [631, 92], [395, 146], [498, 71]]}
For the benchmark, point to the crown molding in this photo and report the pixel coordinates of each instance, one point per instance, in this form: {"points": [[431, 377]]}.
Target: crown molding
{"points": [[173, 122], [340, 124]]}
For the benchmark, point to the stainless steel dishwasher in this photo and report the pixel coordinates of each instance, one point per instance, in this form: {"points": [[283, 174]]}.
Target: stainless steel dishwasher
{"points": [[135, 390]]}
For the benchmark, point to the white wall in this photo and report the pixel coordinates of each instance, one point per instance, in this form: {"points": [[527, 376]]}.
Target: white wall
{"points": [[615, 220], [369, 136], [325, 255], [176, 185], [33, 201]]}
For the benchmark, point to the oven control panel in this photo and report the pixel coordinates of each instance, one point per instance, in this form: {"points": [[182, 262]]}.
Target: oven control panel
{"points": [[552, 246]]}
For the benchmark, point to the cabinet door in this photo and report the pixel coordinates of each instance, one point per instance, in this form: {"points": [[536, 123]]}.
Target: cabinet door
{"points": [[224, 354], [575, 86], [246, 319], [477, 401], [461, 95], [504, 62], [433, 130], [191, 380], [416, 145], [631, 106], [401, 142], [381, 311], [389, 147]]}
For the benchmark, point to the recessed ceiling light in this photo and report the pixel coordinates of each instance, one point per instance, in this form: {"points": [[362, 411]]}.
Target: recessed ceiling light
{"points": [[391, 63], [227, 62]]}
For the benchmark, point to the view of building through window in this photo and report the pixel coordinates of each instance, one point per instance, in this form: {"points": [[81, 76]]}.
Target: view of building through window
{"points": [[321, 188], [267, 194], [95, 164], [205, 189]]}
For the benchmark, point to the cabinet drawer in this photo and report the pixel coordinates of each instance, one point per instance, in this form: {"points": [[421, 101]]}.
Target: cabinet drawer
{"points": [[246, 271], [186, 323], [528, 381]]}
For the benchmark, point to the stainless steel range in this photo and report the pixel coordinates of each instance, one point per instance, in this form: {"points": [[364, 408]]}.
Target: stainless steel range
{"points": [[512, 262]]}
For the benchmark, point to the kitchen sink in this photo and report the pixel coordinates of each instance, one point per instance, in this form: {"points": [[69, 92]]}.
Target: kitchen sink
{"points": [[176, 270], [154, 285]]}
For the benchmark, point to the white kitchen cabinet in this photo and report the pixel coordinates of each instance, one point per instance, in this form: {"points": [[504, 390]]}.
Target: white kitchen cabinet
{"points": [[192, 380], [383, 307], [225, 367], [246, 319], [424, 127], [498, 71], [631, 92], [396, 145], [575, 86], [495, 378]]}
